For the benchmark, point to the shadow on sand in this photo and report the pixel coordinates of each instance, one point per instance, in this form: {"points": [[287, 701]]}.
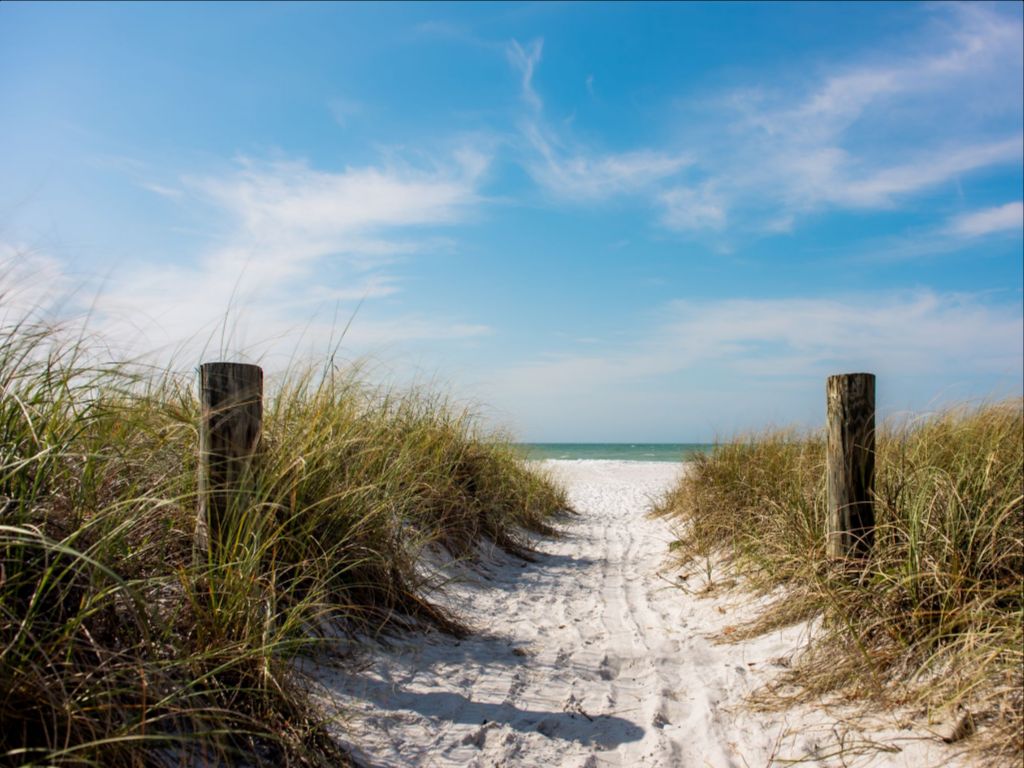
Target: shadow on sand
{"points": [[601, 731]]}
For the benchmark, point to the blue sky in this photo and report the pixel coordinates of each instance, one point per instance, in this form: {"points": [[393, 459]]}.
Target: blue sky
{"points": [[605, 222]]}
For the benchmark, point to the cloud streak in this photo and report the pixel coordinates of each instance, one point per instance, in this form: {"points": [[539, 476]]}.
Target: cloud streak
{"points": [[826, 177], [31, 283], [525, 61], [289, 201], [580, 176], [904, 334], [687, 208], [767, 356], [570, 171], [1002, 218], [810, 154], [300, 244], [871, 133]]}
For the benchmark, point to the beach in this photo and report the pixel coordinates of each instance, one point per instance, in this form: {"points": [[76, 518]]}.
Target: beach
{"points": [[600, 652]]}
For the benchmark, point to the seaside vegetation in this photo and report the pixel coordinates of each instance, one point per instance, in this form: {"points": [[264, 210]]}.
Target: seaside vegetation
{"points": [[934, 622], [119, 647]]}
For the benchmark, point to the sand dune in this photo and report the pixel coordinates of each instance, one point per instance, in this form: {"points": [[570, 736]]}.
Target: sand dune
{"points": [[595, 656]]}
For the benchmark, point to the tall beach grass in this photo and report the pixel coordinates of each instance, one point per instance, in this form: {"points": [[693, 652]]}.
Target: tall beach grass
{"points": [[118, 647], [934, 622]]}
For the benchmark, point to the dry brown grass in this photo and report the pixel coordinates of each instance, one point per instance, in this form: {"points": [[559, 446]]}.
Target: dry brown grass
{"points": [[118, 649], [935, 619]]}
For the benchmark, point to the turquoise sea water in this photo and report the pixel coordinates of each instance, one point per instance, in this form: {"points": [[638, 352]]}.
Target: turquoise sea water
{"points": [[615, 451]]}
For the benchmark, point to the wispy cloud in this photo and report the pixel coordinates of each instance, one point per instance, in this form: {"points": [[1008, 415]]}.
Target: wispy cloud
{"points": [[568, 169], [693, 208], [525, 60], [163, 190], [826, 177], [766, 352], [580, 175], [904, 334], [966, 45], [313, 212], [343, 110], [1002, 218], [299, 242], [30, 283], [871, 132]]}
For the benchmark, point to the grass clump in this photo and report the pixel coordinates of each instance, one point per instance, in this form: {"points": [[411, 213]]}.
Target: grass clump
{"points": [[935, 618], [119, 647]]}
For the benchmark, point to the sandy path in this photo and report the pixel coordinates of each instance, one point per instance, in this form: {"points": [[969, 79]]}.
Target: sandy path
{"points": [[588, 657]]}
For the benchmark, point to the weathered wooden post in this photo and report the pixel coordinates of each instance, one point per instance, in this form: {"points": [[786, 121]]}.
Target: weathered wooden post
{"points": [[231, 396], [851, 465]]}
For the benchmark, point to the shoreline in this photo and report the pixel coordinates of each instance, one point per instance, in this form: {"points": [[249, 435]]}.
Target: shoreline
{"points": [[656, 452]]}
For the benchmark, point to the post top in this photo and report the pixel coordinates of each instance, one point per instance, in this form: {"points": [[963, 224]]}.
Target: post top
{"points": [[237, 366]]}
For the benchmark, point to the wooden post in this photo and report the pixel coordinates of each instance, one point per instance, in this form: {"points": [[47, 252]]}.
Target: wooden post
{"points": [[851, 465], [231, 395]]}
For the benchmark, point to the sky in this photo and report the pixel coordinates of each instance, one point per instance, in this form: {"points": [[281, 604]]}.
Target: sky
{"points": [[594, 222]]}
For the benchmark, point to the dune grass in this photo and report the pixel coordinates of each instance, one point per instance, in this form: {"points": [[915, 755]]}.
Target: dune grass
{"points": [[119, 647], [935, 620]]}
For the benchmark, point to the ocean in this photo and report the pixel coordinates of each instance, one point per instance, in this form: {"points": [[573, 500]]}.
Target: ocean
{"points": [[615, 451]]}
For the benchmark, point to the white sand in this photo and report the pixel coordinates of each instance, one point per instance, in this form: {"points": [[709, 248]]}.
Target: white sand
{"points": [[592, 656]]}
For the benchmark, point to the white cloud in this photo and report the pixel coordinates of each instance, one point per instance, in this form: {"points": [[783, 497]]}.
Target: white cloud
{"points": [[920, 332], [972, 49], [581, 175], [867, 133], [715, 366], [343, 110], [688, 208], [31, 283], [289, 200], [901, 334], [882, 187], [162, 189], [571, 171], [526, 60], [1002, 218], [929, 117], [300, 243]]}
